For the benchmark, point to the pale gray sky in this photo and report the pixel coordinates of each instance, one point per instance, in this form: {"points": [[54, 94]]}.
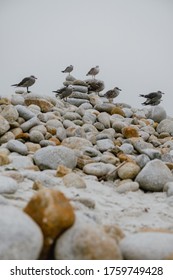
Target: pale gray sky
{"points": [[131, 41]]}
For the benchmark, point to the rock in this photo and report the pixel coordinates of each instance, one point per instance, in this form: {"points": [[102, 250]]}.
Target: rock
{"points": [[32, 147], [104, 144], [44, 105], [24, 239], [51, 210], [152, 153], [98, 169], [104, 107], [89, 118], [62, 171], [128, 171], [76, 143], [74, 180], [17, 100], [36, 136], [77, 102], [86, 241], [165, 126], [61, 133], [118, 125], [45, 143], [26, 126], [154, 175], [17, 146], [20, 162], [157, 114], [4, 159], [140, 145], [127, 148], [168, 188], [41, 128], [130, 131], [4, 101], [6, 137], [7, 185], [127, 187], [51, 157], [104, 118], [4, 125], [24, 112], [142, 160], [147, 246], [118, 111], [10, 113]]}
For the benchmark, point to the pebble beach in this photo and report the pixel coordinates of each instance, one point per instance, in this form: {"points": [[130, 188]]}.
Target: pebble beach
{"points": [[84, 179]]}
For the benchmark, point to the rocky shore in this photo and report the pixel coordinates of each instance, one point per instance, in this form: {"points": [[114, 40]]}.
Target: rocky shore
{"points": [[84, 179]]}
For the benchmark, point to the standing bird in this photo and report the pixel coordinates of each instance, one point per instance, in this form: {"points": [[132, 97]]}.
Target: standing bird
{"points": [[26, 82], [64, 92], [153, 98], [111, 94], [68, 69], [93, 72]]}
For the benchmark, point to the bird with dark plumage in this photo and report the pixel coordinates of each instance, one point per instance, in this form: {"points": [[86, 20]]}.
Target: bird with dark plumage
{"points": [[64, 92], [153, 98], [68, 69], [26, 82], [93, 71], [112, 93]]}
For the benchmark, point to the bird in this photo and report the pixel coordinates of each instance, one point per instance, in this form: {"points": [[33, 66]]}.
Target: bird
{"points": [[26, 82], [157, 94], [68, 69], [112, 93], [93, 71], [152, 102], [153, 98], [64, 92]]}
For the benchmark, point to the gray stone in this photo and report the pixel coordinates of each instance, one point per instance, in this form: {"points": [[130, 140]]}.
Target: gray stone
{"points": [[142, 160], [7, 185], [52, 157], [154, 175], [29, 124], [86, 241], [61, 133], [104, 118], [127, 187], [152, 153], [118, 125], [127, 148], [98, 169], [105, 144], [17, 146], [157, 114], [17, 100], [140, 145], [147, 246], [168, 188], [4, 125], [165, 126], [45, 143], [41, 128], [24, 112], [74, 180], [71, 116], [6, 137], [89, 118], [20, 162], [36, 136], [20, 237], [10, 113], [76, 102]]}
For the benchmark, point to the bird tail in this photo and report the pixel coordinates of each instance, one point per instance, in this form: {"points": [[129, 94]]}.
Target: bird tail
{"points": [[63, 71], [141, 95], [15, 85]]}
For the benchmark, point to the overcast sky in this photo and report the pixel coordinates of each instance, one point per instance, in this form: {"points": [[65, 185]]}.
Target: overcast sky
{"points": [[131, 41]]}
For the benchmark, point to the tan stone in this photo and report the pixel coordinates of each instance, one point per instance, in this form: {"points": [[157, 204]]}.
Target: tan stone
{"points": [[37, 185], [130, 131], [62, 170], [114, 231], [32, 147], [117, 110], [24, 136], [51, 210], [4, 159], [128, 171], [44, 105], [74, 180], [55, 140]]}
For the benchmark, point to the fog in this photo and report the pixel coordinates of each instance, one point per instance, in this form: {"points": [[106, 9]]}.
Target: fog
{"points": [[131, 41]]}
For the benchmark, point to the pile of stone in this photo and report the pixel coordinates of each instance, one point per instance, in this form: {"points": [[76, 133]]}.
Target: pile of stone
{"points": [[61, 161]]}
